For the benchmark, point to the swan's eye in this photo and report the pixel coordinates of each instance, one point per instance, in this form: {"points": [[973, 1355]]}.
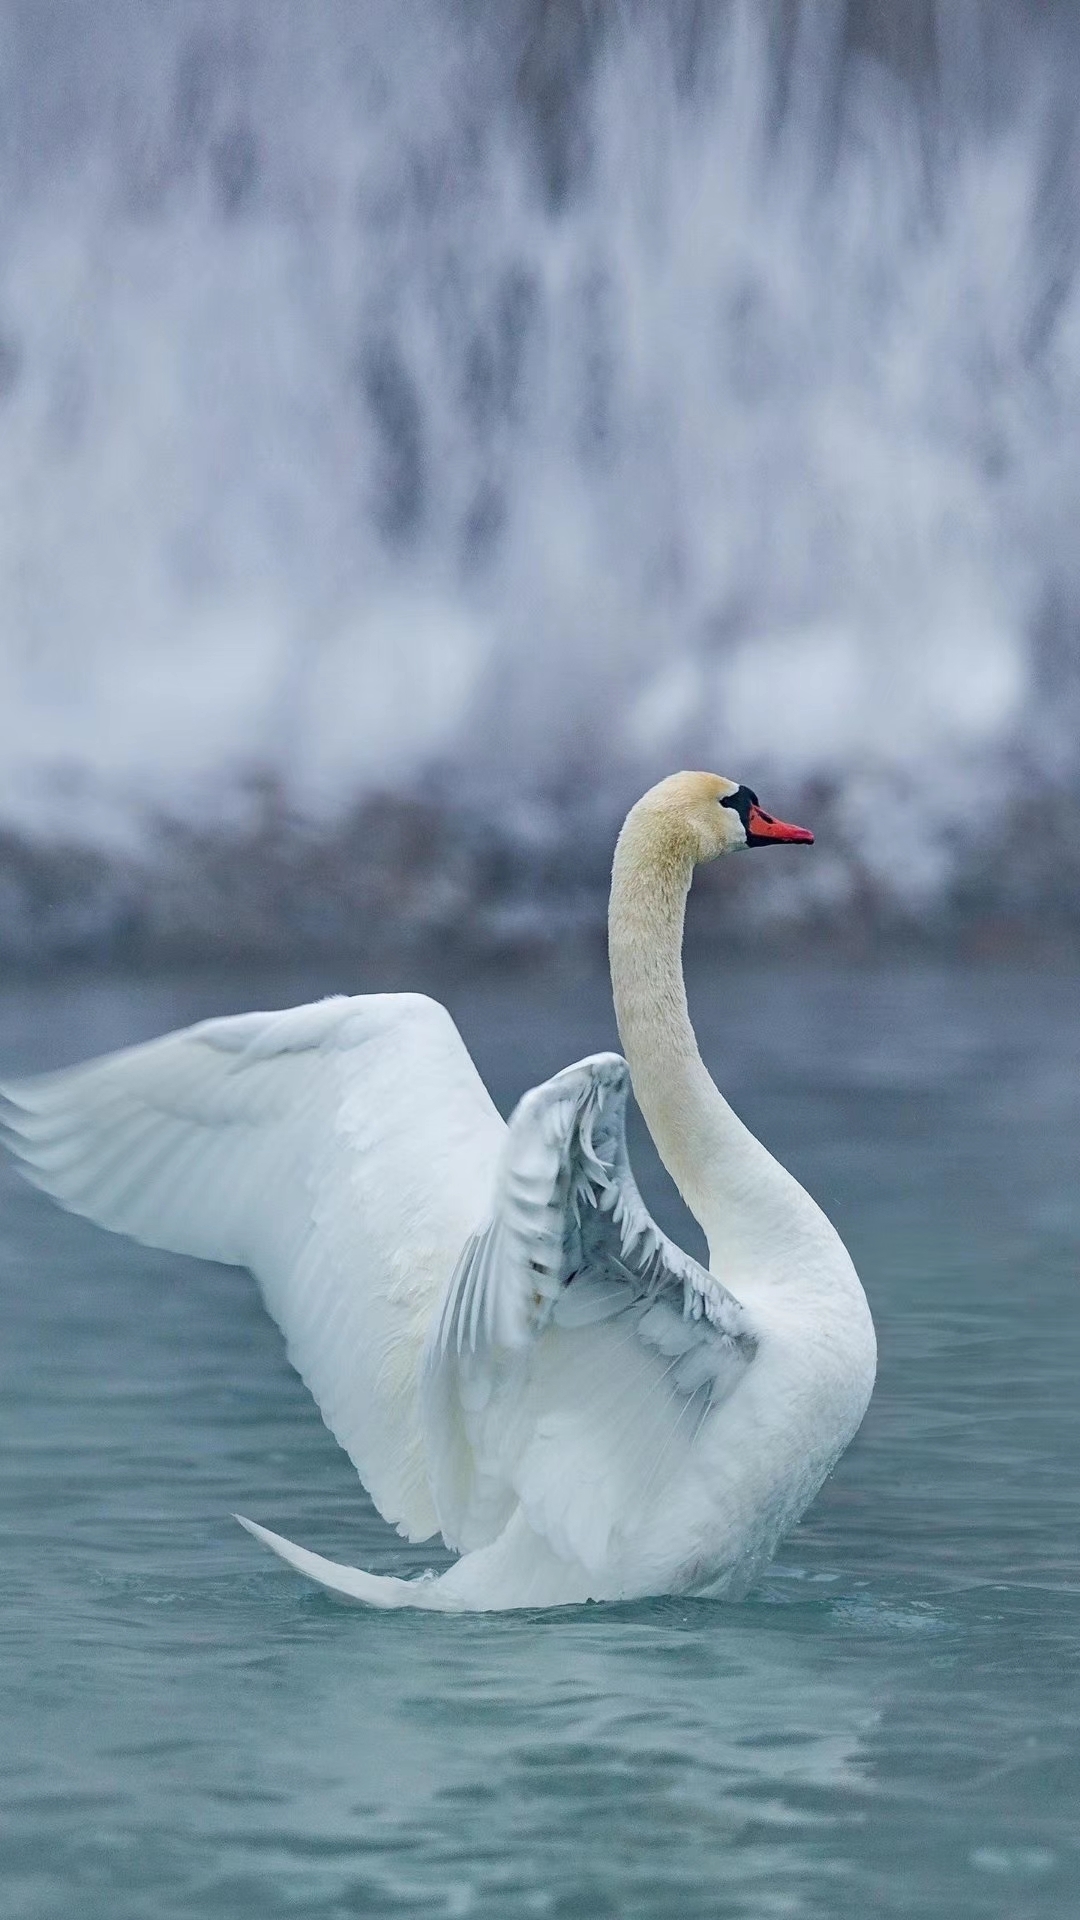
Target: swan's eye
{"points": [[741, 801]]}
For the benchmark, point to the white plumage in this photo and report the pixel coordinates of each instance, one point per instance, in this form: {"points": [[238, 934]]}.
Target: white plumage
{"points": [[505, 1344], [339, 1150]]}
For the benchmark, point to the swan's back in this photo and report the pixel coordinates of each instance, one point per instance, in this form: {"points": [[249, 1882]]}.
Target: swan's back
{"points": [[344, 1151]]}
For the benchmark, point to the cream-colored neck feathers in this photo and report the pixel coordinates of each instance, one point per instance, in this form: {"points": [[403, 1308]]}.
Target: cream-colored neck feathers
{"points": [[727, 1178], [654, 865]]}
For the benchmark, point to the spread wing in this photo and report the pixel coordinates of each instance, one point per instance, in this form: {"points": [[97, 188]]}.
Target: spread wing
{"points": [[344, 1151], [578, 1351]]}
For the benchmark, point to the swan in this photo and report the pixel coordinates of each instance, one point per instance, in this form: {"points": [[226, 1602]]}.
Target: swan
{"points": [[510, 1351]]}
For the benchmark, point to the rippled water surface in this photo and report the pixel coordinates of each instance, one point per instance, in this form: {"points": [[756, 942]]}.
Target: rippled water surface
{"points": [[889, 1725]]}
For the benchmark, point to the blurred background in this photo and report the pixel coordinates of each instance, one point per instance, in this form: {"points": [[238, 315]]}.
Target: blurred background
{"points": [[421, 427]]}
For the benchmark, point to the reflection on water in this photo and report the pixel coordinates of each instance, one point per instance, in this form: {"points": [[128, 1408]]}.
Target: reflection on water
{"points": [[889, 1724]]}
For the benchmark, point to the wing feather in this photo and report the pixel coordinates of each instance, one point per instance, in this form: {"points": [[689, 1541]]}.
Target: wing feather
{"points": [[345, 1151], [578, 1350]]}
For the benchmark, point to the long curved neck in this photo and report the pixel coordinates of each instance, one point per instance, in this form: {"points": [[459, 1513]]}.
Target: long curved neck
{"points": [[724, 1174]]}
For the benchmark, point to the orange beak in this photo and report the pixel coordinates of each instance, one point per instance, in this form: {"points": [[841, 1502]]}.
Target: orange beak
{"points": [[762, 830]]}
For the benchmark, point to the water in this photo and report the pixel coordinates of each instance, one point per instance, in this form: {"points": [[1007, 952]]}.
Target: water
{"points": [[512, 390], [889, 1725]]}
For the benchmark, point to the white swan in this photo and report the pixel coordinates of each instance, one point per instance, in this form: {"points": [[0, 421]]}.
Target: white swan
{"points": [[507, 1347]]}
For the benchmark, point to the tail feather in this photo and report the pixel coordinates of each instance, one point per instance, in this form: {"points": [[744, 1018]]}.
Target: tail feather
{"points": [[371, 1589]]}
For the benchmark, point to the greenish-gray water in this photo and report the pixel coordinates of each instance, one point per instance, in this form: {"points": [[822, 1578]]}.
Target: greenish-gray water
{"points": [[889, 1725]]}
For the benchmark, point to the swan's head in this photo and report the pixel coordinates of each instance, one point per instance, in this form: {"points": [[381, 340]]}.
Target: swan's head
{"points": [[704, 815]]}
